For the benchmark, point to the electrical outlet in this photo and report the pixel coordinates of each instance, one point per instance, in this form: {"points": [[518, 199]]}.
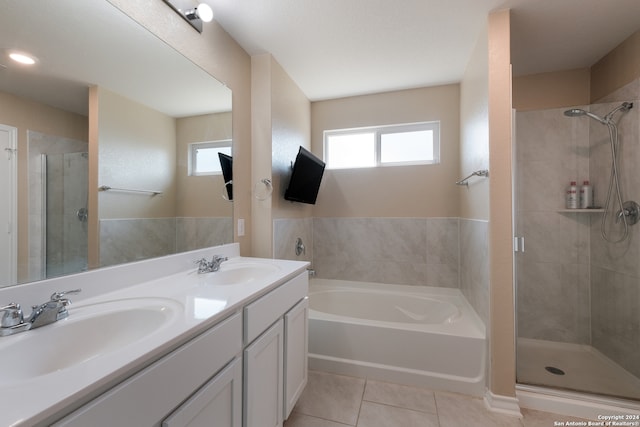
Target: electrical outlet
{"points": [[240, 227]]}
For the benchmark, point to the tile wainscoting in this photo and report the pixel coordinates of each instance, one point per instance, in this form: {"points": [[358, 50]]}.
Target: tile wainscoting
{"points": [[127, 240], [442, 252]]}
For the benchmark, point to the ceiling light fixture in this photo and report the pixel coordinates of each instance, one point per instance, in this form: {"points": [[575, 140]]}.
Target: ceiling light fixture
{"points": [[195, 16], [22, 58]]}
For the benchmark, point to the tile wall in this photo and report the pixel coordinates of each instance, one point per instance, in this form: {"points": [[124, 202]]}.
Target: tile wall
{"points": [[126, 240], [553, 270], [41, 145], [445, 252]]}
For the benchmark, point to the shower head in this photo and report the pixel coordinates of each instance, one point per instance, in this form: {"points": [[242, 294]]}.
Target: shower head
{"points": [[576, 112], [606, 120]]}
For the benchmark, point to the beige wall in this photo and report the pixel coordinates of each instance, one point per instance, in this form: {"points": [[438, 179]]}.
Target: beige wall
{"points": [[281, 123], [200, 196], [261, 132], [474, 132], [582, 86], [137, 150], [25, 115], [291, 120], [617, 68], [551, 90], [403, 191], [502, 326], [222, 57]]}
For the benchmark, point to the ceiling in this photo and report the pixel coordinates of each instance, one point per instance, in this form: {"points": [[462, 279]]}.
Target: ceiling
{"points": [[112, 51], [330, 48], [337, 48]]}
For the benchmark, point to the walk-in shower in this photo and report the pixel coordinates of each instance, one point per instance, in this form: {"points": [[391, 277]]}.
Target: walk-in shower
{"points": [[627, 212], [577, 293]]}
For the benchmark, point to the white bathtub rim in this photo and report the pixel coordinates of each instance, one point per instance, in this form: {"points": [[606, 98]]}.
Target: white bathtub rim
{"points": [[468, 325], [447, 301]]}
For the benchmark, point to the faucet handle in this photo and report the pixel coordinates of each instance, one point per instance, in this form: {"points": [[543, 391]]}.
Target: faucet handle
{"points": [[11, 315], [60, 296], [219, 259]]}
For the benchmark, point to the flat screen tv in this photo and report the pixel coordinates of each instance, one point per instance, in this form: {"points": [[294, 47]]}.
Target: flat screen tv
{"points": [[305, 178], [226, 164]]}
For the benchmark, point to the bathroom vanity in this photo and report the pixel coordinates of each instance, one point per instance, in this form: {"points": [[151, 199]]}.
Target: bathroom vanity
{"points": [[176, 350]]}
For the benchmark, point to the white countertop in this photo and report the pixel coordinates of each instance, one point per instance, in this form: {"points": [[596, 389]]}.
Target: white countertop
{"points": [[195, 306]]}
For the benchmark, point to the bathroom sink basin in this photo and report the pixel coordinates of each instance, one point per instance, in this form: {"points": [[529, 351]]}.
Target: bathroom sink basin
{"points": [[239, 273], [90, 331]]}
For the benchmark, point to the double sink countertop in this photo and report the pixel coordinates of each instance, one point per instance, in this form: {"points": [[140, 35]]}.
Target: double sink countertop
{"points": [[113, 333]]}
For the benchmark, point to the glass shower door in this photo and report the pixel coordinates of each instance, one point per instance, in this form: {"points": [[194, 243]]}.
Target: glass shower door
{"points": [[66, 213], [577, 296]]}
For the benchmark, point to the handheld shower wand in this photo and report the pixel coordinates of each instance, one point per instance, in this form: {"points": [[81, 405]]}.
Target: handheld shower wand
{"points": [[614, 181]]}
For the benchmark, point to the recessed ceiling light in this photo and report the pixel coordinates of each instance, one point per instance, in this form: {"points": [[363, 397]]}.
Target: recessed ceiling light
{"points": [[22, 58]]}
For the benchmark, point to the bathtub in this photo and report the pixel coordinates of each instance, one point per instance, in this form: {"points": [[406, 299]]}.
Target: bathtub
{"points": [[415, 335]]}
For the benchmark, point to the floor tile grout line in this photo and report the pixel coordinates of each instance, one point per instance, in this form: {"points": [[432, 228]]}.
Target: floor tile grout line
{"points": [[399, 406], [323, 419], [435, 403], [364, 388]]}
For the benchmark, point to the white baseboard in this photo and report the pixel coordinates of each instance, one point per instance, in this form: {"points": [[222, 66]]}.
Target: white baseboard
{"points": [[506, 405]]}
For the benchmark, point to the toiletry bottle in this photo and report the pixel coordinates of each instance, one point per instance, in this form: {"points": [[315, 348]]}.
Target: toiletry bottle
{"points": [[572, 196], [586, 195]]}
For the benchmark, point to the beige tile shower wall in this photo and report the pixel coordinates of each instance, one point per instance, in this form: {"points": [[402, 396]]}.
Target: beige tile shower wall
{"points": [[615, 272], [404, 191], [553, 273], [404, 251]]}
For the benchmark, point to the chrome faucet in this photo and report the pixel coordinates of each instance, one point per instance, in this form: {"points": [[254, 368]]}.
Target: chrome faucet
{"points": [[51, 311], [205, 266], [12, 318]]}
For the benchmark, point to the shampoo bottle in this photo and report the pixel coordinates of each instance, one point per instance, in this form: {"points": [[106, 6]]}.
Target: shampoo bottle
{"points": [[572, 196], [586, 195]]}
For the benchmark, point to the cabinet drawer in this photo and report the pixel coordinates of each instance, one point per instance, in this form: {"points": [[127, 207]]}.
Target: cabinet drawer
{"points": [[263, 312], [218, 402], [148, 396]]}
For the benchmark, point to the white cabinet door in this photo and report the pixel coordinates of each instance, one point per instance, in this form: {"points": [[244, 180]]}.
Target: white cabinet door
{"points": [[147, 397], [296, 343], [263, 377], [217, 404]]}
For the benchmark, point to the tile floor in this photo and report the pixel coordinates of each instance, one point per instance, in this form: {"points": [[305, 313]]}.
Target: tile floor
{"points": [[331, 400]]}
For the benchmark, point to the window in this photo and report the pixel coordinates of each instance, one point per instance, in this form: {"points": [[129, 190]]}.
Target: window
{"points": [[203, 157], [409, 144]]}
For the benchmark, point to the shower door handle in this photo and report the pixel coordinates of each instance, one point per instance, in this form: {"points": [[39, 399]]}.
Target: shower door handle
{"points": [[518, 244]]}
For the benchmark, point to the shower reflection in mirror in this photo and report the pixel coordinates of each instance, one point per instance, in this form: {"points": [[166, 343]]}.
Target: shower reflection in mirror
{"points": [[58, 176]]}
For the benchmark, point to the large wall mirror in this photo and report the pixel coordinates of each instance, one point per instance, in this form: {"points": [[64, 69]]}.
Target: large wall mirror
{"points": [[105, 102]]}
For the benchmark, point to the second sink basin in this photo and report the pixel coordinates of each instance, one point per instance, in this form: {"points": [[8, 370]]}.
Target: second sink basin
{"points": [[235, 273], [90, 331]]}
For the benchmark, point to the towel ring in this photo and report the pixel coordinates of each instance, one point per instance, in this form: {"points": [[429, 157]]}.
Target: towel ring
{"points": [[263, 189], [225, 192]]}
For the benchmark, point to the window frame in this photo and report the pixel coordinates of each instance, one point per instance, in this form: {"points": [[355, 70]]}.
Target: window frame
{"points": [[378, 131], [192, 155]]}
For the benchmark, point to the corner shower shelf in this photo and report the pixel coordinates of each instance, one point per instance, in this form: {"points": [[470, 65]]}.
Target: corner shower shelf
{"points": [[581, 210]]}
